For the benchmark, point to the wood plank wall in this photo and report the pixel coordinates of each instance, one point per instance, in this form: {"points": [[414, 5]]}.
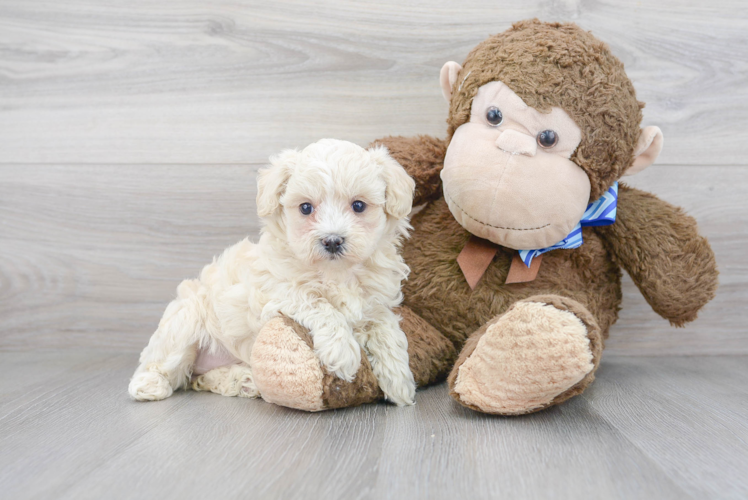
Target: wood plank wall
{"points": [[130, 134]]}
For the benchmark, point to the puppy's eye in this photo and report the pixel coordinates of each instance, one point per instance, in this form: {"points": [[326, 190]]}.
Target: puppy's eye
{"points": [[547, 139], [358, 206], [494, 116], [306, 208]]}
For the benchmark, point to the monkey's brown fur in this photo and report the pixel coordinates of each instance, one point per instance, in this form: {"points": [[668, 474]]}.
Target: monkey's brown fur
{"points": [[547, 65], [658, 245]]}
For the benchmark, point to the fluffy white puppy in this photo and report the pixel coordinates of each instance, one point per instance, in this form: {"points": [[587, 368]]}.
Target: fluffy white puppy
{"points": [[334, 215]]}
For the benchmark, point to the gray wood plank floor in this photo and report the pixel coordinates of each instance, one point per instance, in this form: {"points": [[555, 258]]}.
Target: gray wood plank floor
{"points": [[660, 428]]}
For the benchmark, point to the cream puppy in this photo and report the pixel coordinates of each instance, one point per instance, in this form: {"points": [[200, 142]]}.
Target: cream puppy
{"points": [[334, 215]]}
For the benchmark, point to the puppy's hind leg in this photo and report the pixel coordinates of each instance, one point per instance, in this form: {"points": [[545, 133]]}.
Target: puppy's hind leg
{"points": [[166, 362], [231, 380]]}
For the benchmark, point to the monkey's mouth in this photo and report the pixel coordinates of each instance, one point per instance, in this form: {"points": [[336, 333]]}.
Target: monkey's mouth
{"points": [[450, 201]]}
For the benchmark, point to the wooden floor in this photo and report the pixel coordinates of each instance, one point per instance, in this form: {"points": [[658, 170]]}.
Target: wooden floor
{"points": [[659, 428]]}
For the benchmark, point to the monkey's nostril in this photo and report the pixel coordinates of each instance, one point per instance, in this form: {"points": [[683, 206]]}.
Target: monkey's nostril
{"points": [[333, 244]]}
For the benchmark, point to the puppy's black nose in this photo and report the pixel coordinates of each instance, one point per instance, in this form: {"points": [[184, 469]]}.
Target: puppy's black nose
{"points": [[333, 244]]}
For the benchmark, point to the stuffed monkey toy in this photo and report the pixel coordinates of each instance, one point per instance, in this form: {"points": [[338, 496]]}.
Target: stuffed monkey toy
{"points": [[516, 255]]}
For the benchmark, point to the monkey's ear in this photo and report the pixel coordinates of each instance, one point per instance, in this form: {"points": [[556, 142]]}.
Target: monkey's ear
{"points": [[400, 186], [647, 149], [271, 181], [448, 78]]}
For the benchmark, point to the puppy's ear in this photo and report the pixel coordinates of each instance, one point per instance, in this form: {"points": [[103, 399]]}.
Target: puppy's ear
{"points": [[271, 181], [400, 186]]}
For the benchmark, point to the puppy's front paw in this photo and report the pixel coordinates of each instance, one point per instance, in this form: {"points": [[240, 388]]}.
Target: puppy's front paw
{"points": [[400, 389], [340, 355], [388, 353]]}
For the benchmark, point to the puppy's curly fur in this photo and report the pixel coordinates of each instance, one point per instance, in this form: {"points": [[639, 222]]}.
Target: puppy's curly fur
{"points": [[334, 215]]}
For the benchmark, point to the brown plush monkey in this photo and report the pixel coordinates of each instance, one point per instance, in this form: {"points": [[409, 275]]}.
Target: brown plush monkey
{"points": [[543, 121]]}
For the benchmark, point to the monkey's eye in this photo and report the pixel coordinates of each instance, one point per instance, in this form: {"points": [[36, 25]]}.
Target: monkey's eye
{"points": [[547, 139], [358, 206], [306, 208], [494, 116]]}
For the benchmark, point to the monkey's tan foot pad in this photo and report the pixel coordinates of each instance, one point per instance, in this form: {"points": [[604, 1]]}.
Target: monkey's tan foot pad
{"points": [[533, 356], [287, 372]]}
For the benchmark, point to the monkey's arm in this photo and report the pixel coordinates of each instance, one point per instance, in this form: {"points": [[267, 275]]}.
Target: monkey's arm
{"points": [[661, 249], [423, 158]]}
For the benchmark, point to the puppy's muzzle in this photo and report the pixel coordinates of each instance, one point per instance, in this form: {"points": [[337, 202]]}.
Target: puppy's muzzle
{"points": [[333, 244]]}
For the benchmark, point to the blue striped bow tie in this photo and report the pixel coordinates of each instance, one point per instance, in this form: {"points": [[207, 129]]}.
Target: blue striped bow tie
{"points": [[599, 213]]}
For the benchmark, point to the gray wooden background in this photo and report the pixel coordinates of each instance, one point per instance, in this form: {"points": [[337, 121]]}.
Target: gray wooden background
{"points": [[130, 134]]}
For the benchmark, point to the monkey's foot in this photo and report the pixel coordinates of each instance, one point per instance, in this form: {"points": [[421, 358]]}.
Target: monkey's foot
{"points": [[540, 352], [287, 372]]}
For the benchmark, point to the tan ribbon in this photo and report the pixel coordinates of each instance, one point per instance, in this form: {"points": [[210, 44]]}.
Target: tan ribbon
{"points": [[475, 258], [478, 254], [520, 273]]}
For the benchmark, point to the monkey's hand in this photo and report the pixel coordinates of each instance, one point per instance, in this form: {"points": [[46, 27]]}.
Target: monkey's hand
{"points": [[423, 158], [661, 249]]}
